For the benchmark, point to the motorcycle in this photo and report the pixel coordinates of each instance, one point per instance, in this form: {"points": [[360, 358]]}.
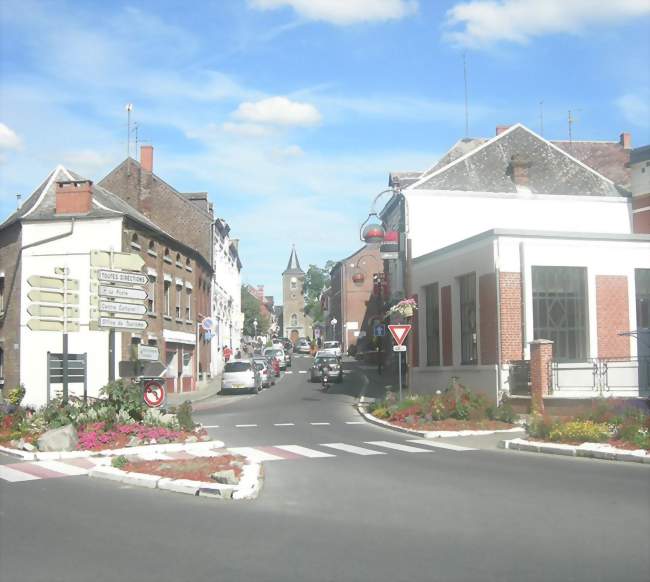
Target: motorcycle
{"points": [[325, 379]]}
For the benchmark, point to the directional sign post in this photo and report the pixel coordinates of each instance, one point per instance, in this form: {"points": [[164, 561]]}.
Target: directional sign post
{"points": [[54, 307], [399, 333]]}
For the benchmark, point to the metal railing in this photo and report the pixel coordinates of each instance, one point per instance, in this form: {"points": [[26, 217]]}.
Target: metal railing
{"points": [[602, 376]]}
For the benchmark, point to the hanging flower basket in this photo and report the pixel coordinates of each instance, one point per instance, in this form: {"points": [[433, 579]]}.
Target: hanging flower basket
{"points": [[405, 308]]}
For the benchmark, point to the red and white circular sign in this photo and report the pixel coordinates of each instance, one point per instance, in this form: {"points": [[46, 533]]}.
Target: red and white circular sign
{"points": [[154, 393]]}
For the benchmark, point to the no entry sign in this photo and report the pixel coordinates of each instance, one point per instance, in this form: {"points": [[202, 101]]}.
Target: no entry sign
{"points": [[399, 332], [154, 393]]}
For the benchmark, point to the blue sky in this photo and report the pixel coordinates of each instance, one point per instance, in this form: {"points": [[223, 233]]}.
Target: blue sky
{"points": [[291, 113]]}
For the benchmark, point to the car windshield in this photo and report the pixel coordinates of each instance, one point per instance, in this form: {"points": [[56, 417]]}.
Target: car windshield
{"points": [[272, 352], [331, 345], [237, 367], [326, 361]]}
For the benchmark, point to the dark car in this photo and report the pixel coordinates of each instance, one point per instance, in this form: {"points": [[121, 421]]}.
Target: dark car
{"points": [[334, 363]]}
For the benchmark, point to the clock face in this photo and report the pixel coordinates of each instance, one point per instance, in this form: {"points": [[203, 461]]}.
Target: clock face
{"points": [[294, 280]]}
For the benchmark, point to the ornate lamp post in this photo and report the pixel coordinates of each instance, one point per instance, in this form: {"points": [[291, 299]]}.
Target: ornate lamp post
{"points": [[255, 327], [334, 322]]}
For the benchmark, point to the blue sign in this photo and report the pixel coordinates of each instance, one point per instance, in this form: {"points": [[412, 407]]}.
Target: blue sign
{"points": [[208, 336], [379, 330]]}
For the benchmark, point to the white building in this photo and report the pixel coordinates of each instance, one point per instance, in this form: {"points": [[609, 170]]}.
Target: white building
{"points": [[226, 294]]}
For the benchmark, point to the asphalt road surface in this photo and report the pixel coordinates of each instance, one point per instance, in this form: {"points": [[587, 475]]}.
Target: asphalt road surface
{"points": [[342, 501]]}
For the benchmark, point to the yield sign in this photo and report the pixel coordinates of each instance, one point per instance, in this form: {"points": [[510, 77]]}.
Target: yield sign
{"points": [[399, 332]]}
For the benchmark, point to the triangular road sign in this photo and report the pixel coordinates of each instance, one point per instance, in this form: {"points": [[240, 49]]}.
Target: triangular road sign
{"points": [[399, 332]]}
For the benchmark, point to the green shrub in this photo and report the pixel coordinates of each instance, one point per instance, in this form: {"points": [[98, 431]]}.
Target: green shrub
{"points": [[184, 415], [124, 395], [16, 395], [540, 426], [580, 431], [503, 413], [381, 412], [119, 462], [635, 429]]}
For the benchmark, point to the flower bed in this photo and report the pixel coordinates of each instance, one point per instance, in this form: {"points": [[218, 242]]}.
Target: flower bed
{"points": [[198, 469], [98, 436], [606, 423], [454, 409]]}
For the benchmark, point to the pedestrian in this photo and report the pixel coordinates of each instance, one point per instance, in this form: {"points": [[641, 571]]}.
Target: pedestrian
{"points": [[380, 357], [227, 352]]}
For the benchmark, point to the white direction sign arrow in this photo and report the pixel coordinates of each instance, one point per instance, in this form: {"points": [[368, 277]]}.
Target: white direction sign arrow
{"points": [[123, 277], [53, 282], [122, 292], [115, 307], [119, 323], [114, 260]]}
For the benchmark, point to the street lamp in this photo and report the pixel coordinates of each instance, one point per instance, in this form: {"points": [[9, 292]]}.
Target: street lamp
{"points": [[255, 326], [334, 322]]}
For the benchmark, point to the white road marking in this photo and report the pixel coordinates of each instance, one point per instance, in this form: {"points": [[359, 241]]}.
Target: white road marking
{"points": [[64, 468], [355, 422], [245, 425], [304, 451], [254, 454], [441, 445], [210, 426], [397, 447], [289, 372], [319, 423], [352, 449], [284, 424], [12, 475], [302, 371]]}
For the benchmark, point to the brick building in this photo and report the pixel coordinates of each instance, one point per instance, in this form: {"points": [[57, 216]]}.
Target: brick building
{"points": [[514, 239], [60, 225]]}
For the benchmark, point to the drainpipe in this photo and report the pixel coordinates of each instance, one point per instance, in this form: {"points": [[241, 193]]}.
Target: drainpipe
{"points": [[524, 280]]}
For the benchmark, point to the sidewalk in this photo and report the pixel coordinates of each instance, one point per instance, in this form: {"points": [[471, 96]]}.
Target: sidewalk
{"points": [[207, 389]]}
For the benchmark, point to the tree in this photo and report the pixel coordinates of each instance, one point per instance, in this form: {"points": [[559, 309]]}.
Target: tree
{"points": [[316, 280], [252, 309]]}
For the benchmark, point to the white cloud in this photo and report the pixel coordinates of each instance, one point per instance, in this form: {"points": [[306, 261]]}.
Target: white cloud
{"points": [[635, 108], [8, 138], [246, 129], [291, 151], [343, 12], [89, 162], [486, 22], [278, 111]]}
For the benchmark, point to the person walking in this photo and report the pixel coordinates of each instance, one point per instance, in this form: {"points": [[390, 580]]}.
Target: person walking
{"points": [[380, 356]]}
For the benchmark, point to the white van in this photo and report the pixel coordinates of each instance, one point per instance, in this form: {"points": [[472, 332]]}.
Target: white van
{"points": [[241, 375]]}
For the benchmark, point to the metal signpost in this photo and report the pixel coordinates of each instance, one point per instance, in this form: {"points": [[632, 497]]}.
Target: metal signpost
{"points": [[399, 333], [54, 307], [117, 296]]}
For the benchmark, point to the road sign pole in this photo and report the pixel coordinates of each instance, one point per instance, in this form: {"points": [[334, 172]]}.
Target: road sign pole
{"points": [[65, 368], [399, 372]]}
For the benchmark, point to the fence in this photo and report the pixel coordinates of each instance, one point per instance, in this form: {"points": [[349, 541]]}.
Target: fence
{"points": [[601, 376]]}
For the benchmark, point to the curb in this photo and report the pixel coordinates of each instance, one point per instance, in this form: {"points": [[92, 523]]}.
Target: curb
{"points": [[249, 487], [585, 450], [157, 448], [430, 434]]}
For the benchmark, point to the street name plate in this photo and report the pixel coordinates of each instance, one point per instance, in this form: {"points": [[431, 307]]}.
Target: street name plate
{"points": [[389, 256], [399, 348], [52, 311], [123, 277], [118, 323], [115, 307], [122, 292], [53, 297], [36, 324], [148, 353]]}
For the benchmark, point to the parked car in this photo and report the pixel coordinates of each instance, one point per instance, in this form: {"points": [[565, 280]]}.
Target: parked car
{"points": [[285, 359], [265, 370], [326, 359], [241, 375], [333, 346], [303, 346]]}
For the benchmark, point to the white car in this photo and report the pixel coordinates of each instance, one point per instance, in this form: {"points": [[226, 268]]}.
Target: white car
{"points": [[241, 376], [332, 346], [280, 355]]}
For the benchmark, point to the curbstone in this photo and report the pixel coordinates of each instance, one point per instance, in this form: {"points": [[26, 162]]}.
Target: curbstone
{"points": [[141, 480], [110, 473], [180, 485]]}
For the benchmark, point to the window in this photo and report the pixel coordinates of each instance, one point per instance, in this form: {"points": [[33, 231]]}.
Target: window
{"points": [[152, 249], [2, 293], [433, 325], [467, 291], [179, 299], [188, 308], [134, 242], [167, 257], [2, 363], [168, 299], [294, 320], [188, 264], [642, 284], [151, 295], [560, 310], [294, 283], [178, 260]]}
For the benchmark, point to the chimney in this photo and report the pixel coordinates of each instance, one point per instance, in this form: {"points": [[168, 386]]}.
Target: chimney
{"points": [[626, 140], [73, 197], [501, 129], [146, 158], [518, 170]]}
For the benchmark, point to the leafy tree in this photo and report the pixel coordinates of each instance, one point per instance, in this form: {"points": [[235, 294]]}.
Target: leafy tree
{"points": [[252, 309], [316, 280]]}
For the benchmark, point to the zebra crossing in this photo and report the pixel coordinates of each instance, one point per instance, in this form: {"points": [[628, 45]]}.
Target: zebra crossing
{"points": [[34, 470]]}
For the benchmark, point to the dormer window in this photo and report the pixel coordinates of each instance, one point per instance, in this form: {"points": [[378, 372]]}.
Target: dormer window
{"points": [[134, 242]]}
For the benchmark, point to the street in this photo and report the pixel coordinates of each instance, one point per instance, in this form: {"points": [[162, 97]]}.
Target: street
{"points": [[342, 500]]}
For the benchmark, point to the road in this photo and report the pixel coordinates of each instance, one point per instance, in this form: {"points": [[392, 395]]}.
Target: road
{"points": [[342, 501]]}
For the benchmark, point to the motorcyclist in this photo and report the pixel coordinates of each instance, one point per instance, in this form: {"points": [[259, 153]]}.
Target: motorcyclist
{"points": [[324, 369]]}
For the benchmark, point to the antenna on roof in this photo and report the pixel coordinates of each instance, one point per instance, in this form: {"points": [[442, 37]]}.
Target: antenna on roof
{"points": [[541, 118], [466, 108], [571, 120], [18, 197], [129, 108]]}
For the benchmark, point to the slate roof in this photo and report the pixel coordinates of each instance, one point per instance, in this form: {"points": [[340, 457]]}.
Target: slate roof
{"points": [[641, 154], [486, 168], [294, 264]]}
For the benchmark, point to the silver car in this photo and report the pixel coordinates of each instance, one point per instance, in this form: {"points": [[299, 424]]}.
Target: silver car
{"points": [[241, 376]]}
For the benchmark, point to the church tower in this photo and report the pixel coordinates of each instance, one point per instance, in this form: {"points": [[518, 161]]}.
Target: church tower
{"points": [[295, 323]]}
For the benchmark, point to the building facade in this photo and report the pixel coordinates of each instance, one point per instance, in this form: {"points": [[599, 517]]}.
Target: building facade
{"points": [[296, 323]]}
